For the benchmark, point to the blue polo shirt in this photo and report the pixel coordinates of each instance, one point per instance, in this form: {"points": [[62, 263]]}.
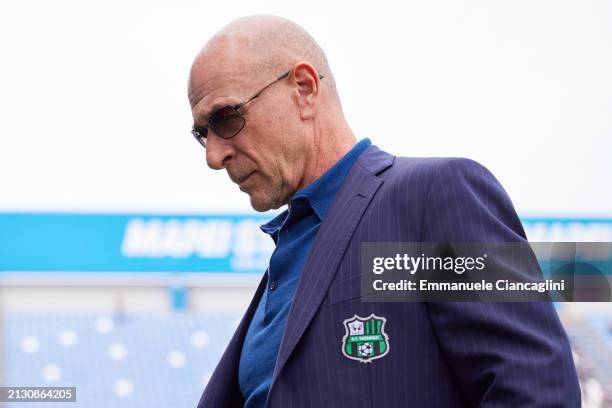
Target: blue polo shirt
{"points": [[293, 232]]}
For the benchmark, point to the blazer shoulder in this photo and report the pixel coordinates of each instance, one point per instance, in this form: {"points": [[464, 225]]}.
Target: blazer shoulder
{"points": [[435, 163], [431, 168]]}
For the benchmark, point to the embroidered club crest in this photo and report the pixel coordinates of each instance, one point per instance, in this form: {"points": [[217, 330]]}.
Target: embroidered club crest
{"points": [[365, 338]]}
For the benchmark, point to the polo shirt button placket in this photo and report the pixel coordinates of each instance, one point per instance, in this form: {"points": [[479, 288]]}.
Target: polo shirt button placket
{"points": [[273, 285]]}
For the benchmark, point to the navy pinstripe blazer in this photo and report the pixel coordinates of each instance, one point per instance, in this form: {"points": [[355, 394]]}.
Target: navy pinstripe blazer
{"points": [[446, 354]]}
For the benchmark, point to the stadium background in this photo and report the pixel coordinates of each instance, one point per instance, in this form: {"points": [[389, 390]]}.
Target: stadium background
{"points": [[125, 263]]}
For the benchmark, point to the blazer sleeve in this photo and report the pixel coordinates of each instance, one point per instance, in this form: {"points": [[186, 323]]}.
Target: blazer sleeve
{"points": [[502, 354]]}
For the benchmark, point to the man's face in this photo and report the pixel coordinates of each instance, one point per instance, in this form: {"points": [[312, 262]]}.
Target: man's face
{"points": [[267, 157]]}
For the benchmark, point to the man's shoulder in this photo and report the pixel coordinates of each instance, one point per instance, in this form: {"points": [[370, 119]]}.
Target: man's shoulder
{"points": [[426, 172], [430, 168], [378, 161]]}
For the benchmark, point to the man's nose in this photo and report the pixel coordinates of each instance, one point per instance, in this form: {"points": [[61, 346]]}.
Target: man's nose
{"points": [[218, 151]]}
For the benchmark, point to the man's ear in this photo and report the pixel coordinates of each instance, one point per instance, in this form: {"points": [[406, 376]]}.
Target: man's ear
{"points": [[307, 88]]}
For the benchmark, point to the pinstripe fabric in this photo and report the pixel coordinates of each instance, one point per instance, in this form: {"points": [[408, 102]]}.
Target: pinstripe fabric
{"points": [[447, 354]]}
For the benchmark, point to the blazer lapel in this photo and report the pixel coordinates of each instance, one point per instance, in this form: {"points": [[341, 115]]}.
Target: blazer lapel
{"points": [[357, 191]]}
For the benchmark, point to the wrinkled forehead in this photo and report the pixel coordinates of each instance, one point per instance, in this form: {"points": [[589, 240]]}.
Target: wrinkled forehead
{"points": [[206, 85], [220, 70], [212, 90]]}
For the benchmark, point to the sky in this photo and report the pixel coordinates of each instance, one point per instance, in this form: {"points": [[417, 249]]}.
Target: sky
{"points": [[94, 114]]}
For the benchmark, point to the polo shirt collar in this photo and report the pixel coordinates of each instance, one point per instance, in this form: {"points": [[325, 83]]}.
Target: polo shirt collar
{"points": [[320, 193]]}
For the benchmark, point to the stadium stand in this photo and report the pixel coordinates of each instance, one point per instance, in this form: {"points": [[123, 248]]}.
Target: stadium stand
{"points": [[136, 360], [591, 340]]}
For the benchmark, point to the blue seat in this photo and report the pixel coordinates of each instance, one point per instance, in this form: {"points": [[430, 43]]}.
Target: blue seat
{"points": [[138, 360]]}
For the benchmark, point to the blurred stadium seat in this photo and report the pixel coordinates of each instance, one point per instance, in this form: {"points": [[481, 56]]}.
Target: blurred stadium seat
{"points": [[136, 360], [591, 340]]}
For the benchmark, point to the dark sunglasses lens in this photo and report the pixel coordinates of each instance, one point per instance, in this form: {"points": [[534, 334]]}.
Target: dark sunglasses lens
{"points": [[200, 135], [227, 122]]}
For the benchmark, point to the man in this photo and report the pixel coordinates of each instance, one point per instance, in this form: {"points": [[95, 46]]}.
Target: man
{"points": [[265, 108]]}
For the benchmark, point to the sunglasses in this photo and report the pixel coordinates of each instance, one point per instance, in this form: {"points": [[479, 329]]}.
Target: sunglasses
{"points": [[227, 121]]}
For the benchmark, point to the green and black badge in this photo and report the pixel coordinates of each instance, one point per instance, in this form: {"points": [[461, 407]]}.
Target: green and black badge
{"points": [[365, 339]]}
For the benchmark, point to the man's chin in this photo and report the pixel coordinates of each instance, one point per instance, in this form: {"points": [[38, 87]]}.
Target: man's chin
{"points": [[263, 204]]}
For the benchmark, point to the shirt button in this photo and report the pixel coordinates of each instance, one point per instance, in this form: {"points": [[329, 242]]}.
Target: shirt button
{"points": [[273, 285]]}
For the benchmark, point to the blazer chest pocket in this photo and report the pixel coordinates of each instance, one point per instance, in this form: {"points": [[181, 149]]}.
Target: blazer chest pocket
{"points": [[344, 290]]}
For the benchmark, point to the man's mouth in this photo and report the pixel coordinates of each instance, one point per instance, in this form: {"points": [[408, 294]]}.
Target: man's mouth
{"points": [[237, 179], [244, 179]]}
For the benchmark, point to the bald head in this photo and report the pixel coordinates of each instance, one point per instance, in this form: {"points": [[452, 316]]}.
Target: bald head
{"points": [[260, 47], [276, 43], [273, 134]]}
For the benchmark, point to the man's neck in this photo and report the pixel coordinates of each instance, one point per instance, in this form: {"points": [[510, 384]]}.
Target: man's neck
{"points": [[324, 157]]}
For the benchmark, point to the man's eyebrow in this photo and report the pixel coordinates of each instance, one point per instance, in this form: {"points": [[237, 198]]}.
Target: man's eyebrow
{"points": [[205, 116], [214, 107]]}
